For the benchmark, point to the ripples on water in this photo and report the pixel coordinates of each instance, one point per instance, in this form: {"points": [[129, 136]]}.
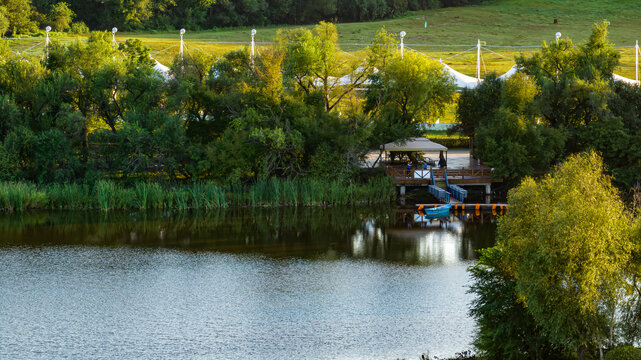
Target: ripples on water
{"points": [[272, 284]]}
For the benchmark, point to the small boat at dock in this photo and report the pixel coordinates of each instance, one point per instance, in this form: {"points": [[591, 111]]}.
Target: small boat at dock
{"points": [[434, 212]]}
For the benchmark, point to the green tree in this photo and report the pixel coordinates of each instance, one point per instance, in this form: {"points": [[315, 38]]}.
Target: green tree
{"points": [[506, 330], [566, 241], [407, 92], [4, 20], [19, 13], [578, 98], [573, 79], [383, 48], [629, 330], [61, 16], [136, 12], [476, 106], [508, 137], [313, 66]]}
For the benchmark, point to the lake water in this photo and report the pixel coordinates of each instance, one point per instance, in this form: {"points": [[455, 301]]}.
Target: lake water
{"points": [[260, 284]]}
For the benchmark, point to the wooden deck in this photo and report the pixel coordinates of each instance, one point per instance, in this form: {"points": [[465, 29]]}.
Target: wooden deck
{"points": [[418, 177]]}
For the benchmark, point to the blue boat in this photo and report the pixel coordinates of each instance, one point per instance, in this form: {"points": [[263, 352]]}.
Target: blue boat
{"points": [[435, 212]]}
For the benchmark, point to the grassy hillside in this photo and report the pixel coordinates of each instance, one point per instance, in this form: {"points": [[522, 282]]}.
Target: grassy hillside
{"points": [[508, 27]]}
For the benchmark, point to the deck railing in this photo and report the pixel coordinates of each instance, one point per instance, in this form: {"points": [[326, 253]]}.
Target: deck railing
{"points": [[403, 173]]}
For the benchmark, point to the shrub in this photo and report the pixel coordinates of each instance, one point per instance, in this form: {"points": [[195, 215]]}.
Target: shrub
{"points": [[624, 353], [79, 28]]}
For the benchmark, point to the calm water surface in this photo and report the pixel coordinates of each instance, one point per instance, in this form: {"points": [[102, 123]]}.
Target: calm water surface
{"points": [[260, 284]]}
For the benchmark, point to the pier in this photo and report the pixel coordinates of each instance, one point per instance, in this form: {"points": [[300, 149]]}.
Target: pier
{"points": [[449, 180], [456, 169]]}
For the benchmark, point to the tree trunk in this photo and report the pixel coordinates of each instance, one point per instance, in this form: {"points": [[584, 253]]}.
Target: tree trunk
{"points": [[581, 352]]}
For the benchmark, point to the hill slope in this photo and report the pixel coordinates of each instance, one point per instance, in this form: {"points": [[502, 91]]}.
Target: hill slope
{"points": [[498, 22], [508, 27]]}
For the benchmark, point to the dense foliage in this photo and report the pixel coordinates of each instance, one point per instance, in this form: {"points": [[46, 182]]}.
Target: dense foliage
{"points": [[627, 352], [564, 270], [91, 111], [568, 103], [26, 16]]}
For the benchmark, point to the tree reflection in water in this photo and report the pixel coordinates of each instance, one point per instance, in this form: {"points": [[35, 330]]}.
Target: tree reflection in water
{"points": [[385, 234]]}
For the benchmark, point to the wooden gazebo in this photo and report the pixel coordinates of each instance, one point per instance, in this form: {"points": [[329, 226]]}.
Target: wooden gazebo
{"points": [[417, 144]]}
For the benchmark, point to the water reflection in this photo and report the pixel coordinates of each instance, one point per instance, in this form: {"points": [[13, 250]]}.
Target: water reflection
{"points": [[266, 283], [313, 233]]}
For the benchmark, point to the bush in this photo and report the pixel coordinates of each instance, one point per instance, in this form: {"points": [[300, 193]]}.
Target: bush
{"points": [[450, 143], [624, 353], [79, 28]]}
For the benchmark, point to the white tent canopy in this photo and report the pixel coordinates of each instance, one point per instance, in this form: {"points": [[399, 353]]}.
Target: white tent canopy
{"points": [[163, 70], [513, 70], [467, 82], [461, 80], [414, 144], [620, 78], [348, 79]]}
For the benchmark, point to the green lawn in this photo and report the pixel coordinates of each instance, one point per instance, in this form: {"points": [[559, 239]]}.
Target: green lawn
{"points": [[508, 27]]}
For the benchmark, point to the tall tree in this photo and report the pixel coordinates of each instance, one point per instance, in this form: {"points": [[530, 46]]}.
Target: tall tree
{"points": [[573, 79], [61, 16], [406, 92], [313, 65], [19, 13], [508, 136], [568, 258]]}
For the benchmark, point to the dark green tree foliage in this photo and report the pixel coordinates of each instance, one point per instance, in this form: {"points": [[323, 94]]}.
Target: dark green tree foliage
{"points": [[477, 106], [61, 16], [506, 133], [21, 16], [576, 107], [627, 352], [573, 79], [506, 330], [93, 110]]}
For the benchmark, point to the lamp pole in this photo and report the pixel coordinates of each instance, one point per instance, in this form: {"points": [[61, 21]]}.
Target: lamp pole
{"points": [[114, 30], [636, 61], [47, 29], [402, 34], [182, 43], [557, 36], [113, 36], [478, 59], [253, 34]]}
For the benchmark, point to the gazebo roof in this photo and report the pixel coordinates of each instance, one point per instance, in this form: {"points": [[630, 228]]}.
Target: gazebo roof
{"points": [[414, 144]]}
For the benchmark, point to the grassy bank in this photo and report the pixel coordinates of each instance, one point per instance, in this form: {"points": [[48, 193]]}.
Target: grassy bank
{"points": [[107, 195], [516, 27]]}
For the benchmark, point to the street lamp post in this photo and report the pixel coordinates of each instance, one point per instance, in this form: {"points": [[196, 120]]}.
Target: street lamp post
{"points": [[557, 36], [253, 34], [636, 62], [114, 30], [182, 43], [478, 60], [402, 34], [113, 36], [47, 29]]}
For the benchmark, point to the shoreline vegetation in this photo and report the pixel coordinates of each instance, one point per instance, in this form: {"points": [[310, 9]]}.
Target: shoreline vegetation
{"points": [[107, 195]]}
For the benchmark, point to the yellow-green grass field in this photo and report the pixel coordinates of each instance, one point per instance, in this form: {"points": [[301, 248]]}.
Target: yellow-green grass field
{"points": [[508, 27]]}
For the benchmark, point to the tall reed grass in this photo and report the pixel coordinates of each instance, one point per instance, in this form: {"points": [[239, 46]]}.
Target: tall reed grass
{"points": [[107, 195], [21, 196]]}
